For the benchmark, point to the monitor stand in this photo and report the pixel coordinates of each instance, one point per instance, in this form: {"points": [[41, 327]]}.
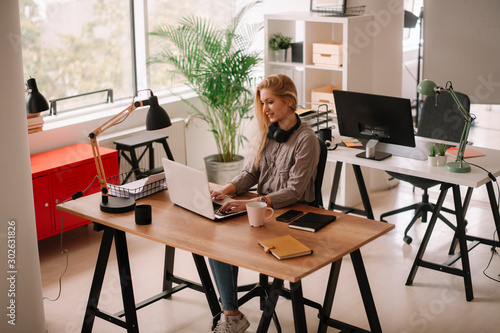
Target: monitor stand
{"points": [[371, 153]]}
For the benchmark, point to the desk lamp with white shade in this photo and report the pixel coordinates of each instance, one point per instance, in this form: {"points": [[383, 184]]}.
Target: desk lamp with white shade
{"points": [[157, 118]]}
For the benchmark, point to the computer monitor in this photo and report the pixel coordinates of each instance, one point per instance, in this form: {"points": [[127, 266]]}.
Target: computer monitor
{"points": [[375, 118]]}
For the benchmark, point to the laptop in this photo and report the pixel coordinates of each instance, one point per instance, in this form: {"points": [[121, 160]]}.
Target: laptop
{"points": [[189, 189]]}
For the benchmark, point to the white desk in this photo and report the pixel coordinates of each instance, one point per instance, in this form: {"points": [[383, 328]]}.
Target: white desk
{"points": [[474, 179]]}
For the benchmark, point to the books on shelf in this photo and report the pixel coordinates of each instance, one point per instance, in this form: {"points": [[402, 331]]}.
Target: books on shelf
{"points": [[35, 123], [312, 222], [285, 247]]}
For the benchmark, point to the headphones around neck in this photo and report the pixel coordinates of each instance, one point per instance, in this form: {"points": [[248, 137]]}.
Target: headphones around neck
{"points": [[274, 132]]}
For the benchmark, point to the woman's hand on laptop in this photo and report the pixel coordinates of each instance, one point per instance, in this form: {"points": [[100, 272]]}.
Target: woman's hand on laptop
{"points": [[223, 192], [235, 205]]}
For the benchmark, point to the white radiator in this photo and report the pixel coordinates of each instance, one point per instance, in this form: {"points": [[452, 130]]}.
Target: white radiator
{"points": [[176, 141]]}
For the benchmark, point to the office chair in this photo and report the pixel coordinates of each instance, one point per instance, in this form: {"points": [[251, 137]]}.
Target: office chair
{"points": [[261, 288], [440, 119]]}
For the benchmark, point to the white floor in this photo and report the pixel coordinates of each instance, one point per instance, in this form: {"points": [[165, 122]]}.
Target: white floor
{"points": [[434, 303]]}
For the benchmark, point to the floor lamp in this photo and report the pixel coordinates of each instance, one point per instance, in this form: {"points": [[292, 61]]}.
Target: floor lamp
{"points": [[410, 21], [157, 118]]}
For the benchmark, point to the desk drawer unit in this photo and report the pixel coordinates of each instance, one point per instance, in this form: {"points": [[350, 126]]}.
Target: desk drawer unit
{"points": [[57, 175]]}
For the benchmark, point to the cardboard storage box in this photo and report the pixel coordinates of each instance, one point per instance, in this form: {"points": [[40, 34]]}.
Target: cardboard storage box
{"points": [[327, 53], [324, 95]]}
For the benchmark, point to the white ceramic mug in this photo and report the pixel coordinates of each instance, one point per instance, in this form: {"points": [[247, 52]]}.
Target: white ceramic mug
{"points": [[257, 213]]}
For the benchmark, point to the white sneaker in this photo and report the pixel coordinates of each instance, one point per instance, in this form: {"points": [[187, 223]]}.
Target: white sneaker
{"points": [[225, 325]]}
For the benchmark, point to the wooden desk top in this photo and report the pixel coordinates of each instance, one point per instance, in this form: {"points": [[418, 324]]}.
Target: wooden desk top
{"points": [[234, 241]]}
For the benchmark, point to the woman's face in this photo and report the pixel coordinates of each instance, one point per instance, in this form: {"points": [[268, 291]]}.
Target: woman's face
{"points": [[274, 107]]}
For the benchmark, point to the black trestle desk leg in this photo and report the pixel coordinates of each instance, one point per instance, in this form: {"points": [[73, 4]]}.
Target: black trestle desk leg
{"points": [[366, 293], [126, 281], [167, 149], [95, 289], [299, 315], [207, 284], [494, 207], [462, 242], [425, 241], [331, 287], [168, 270], [454, 242], [363, 192], [268, 313]]}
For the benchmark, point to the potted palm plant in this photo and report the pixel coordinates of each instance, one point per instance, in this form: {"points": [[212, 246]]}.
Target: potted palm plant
{"points": [[218, 64]]}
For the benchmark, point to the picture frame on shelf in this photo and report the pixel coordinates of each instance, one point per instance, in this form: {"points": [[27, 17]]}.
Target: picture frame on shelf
{"points": [[320, 5]]}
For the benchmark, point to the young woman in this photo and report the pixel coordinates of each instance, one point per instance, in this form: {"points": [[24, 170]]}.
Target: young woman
{"points": [[284, 169]]}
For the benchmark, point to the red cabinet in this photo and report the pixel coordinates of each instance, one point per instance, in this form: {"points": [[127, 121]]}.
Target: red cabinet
{"points": [[57, 175]]}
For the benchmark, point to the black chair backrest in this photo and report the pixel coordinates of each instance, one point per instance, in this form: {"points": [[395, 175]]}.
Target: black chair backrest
{"points": [[442, 121], [318, 182]]}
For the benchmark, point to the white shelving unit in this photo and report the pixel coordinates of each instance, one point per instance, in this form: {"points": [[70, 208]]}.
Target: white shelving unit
{"points": [[370, 64], [355, 73]]}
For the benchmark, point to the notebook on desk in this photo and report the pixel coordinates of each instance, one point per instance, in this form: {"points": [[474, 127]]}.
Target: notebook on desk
{"points": [[189, 189]]}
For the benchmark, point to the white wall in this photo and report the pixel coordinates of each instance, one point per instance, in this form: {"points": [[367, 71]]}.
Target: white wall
{"points": [[21, 296]]}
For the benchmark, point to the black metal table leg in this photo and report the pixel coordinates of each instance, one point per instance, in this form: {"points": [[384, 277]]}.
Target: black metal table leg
{"points": [[207, 284], [299, 314], [168, 267], [462, 241], [363, 192], [466, 203], [272, 299], [167, 149], [331, 287], [494, 207], [95, 289], [425, 241], [366, 293], [126, 281]]}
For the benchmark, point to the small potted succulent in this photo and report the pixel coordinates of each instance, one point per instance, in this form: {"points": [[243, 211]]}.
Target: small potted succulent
{"points": [[280, 44], [441, 157], [432, 155]]}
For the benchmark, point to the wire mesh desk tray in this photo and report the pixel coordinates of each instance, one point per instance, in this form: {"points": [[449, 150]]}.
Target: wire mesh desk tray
{"points": [[138, 188], [338, 10]]}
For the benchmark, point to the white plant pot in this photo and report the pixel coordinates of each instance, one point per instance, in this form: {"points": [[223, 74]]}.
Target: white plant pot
{"points": [[432, 160], [280, 56], [222, 173], [441, 160]]}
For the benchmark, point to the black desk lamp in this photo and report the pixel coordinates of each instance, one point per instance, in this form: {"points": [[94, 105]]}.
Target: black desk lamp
{"points": [[157, 118], [35, 102]]}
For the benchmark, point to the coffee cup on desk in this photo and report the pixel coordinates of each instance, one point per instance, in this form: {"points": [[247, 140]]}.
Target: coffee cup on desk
{"points": [[256, 212]]}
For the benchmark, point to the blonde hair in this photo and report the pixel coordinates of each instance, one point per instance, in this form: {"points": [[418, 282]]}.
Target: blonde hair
{"points": [[284, 88]]}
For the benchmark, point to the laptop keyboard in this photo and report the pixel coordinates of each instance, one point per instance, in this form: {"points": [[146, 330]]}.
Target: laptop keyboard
{"points": [[220, 214], [217, 210]]}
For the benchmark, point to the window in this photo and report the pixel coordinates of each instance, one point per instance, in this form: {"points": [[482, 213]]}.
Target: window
{"points": [[74, 47], [164, 12]]}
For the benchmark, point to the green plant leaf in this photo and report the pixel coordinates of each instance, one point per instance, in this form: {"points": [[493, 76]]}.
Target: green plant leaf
{"points": [[218, 64]]}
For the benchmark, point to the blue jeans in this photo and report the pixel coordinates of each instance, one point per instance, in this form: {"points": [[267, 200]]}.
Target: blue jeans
{"points": [[226, 280]]}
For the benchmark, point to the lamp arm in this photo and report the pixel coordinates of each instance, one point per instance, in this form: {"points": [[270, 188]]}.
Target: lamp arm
{"points": [[95, 147], [465, 132]]}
